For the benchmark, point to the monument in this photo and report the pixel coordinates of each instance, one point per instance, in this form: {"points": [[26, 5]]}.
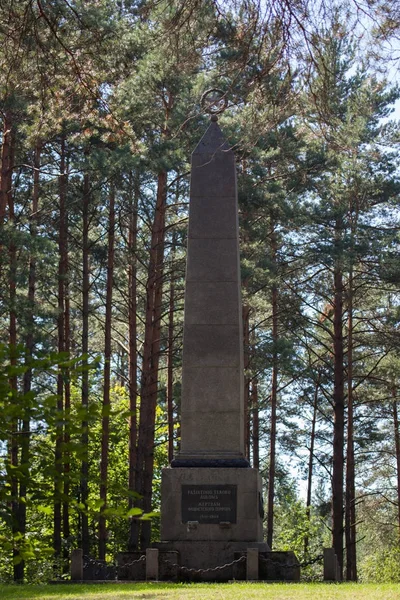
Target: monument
{"points": [[211, 499]]}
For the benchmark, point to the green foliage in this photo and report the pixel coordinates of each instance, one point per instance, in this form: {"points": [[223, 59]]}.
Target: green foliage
{"points": [[297, 529], [36, 548], [382, 566], [294, 526]]}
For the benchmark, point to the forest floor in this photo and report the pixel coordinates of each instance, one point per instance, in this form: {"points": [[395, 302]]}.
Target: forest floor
{"points": [[196, 591]]}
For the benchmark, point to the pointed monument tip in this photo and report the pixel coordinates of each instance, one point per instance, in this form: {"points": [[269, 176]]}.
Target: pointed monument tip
{"points": [[213, 139]]}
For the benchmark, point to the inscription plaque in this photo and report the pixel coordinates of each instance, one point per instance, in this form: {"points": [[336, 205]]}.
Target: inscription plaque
{"points": [[209, 503]]}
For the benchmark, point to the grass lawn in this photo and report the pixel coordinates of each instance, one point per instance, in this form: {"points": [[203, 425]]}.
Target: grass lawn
{"points": [[198, 591]]}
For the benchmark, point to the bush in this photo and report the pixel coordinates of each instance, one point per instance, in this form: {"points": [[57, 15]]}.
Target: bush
{"points": [[381, 567]]}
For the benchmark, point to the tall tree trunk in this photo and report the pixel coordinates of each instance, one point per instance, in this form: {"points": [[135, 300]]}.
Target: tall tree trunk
{"points": [[311, 462], [350, 505], [256, 425], [105, 421], [151, 349], [6, 168], [62, 275], [121, 367], [338, 404], [67, 396], [246, 364], [274, 388], [170, 362], [29, 343], [151, 346], [84, 479], [152, 389], [67, 421], [397, 449], [132, 317], [7, 199]]}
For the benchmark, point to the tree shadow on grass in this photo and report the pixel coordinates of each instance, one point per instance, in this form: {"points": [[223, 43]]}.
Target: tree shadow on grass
{"points": [[148, 591]]}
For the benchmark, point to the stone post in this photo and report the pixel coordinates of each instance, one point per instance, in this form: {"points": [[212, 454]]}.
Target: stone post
{"points": [[330, 565], [152, 563], [77, 565], [252, 564]]}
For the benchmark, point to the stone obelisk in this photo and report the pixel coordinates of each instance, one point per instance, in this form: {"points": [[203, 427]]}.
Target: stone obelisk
{"points": [[211, 502], [212, 429]]}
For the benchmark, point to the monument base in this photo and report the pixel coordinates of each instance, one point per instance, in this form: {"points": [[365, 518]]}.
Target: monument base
{"points": [[205, 560], [211, 517], [211, 530], [208, 561], [210, 505]]}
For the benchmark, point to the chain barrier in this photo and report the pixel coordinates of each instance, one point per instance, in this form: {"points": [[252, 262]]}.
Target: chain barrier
{"points": [[133, 562], [278, 563], [105, 569], [101, 569], [89, 561], [312, 561], [190, 571]]}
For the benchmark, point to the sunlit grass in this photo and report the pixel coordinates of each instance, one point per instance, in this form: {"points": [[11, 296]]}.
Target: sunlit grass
{"points": [[228, 591]]}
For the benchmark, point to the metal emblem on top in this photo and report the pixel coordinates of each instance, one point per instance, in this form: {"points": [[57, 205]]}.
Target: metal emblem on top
{"points": [[214, 102]]}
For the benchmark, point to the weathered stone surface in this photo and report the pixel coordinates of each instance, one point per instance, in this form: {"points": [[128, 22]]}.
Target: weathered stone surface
{"points": [[95, 569], [245, 498], [248, 526], [208, 388], [77, 564], [330, 565], [169, 565], [212, 217], [152, 564], [213, 174], [212, 403], [212, 303], [212, 141], [212, 259], [210, 554], [252, 564], [212, 435], [205, 527], [279, 566], [212, 346]]}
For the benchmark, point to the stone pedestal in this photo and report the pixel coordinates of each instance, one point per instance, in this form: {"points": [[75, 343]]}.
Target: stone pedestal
{"points": [[214, 504], [211, 516]]}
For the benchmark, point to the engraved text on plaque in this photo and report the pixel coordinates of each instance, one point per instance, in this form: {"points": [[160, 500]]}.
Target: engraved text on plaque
{"points": [[209, 503]]}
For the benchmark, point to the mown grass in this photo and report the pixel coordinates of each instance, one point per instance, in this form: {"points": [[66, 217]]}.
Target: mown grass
{"points": [[228, 591]]}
